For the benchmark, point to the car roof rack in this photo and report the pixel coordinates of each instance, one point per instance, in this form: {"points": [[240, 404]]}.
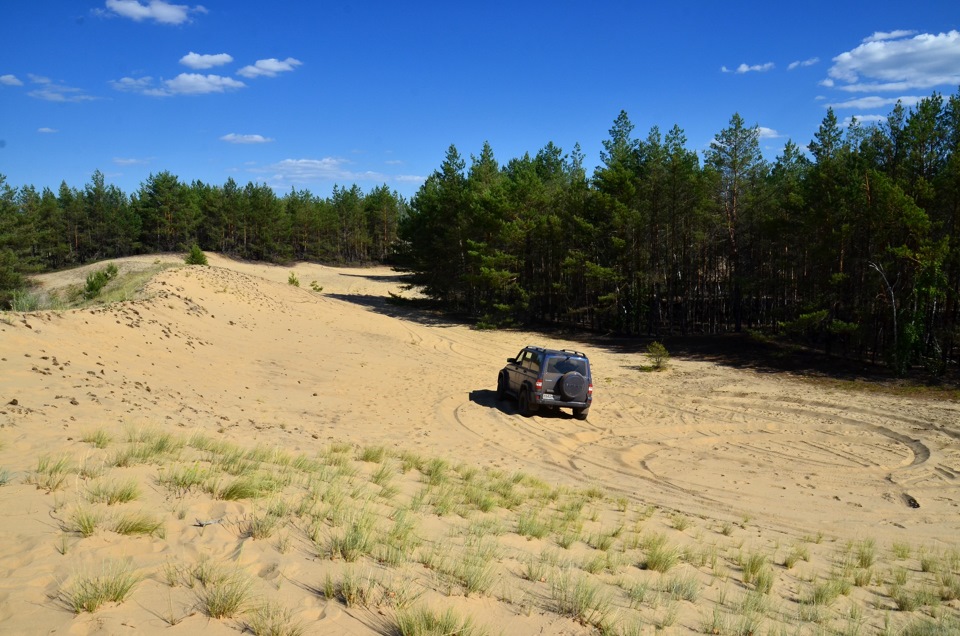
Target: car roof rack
{"points": [[576, 353]]}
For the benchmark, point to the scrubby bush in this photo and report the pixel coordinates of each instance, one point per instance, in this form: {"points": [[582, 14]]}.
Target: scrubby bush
{"points": [[658, 355], [96, 281], [293, 280], [195, 256]]}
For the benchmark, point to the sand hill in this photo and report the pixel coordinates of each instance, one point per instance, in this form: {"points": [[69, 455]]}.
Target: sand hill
{"points": [[337, 464]]}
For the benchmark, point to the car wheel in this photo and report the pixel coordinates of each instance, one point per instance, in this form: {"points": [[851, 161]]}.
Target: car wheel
{"points": [[525, 406], [573, 387], [581, 414], [501, 388]]}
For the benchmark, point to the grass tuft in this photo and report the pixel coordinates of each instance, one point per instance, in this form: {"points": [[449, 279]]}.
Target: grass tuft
{"points": [[112, 585]]}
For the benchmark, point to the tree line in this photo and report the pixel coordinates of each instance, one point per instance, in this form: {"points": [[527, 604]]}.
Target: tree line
{"points": [[851, 246], [42, 231]]}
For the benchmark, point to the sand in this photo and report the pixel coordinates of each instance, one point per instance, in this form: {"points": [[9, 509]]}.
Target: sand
{"points": [[751, 460]]}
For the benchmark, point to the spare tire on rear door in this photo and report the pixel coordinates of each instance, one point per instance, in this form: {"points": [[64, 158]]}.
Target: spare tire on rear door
{"points": [[573, 387]]}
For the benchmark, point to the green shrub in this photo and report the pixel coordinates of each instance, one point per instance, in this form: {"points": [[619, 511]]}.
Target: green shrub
{"points": [[293, 280], [96, 281], [658, 355], [195, 256]]}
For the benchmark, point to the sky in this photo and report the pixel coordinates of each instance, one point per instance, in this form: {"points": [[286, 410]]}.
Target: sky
{"points": [[307, 95]]}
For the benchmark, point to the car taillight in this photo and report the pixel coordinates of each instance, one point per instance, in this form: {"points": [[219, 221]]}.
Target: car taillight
{"points": [[590, 389], [539, 385]]}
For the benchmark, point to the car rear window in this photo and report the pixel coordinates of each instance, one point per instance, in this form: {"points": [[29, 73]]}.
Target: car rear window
{"points": [[566, 365]]}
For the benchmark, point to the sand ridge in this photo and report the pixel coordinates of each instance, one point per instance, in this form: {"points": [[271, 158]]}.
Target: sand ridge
{"points": [[234, 352]]}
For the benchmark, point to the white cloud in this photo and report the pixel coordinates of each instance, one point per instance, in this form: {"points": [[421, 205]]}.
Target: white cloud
{"points": [[54, 92], [803, 63], [880, 36], [872, 103], [131, 85], [895, 61], [863, 119], [745, 68], [768, 133], [10, 80], [122, 161], [409, 178], [194, 84], [198, 62], [234, 138], [305, 171], [46, 130], [269, 67], [157, 10]]}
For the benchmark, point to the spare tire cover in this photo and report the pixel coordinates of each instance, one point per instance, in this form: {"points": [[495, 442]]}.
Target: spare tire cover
{"points": [[573, 387]]}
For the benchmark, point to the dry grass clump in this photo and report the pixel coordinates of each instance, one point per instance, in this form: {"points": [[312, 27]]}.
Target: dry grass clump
{"points": [[138, 523], [422, 621], [272, 619], [99, 438], [222, 593], [113, 584], [52, 472], [114, 492]]}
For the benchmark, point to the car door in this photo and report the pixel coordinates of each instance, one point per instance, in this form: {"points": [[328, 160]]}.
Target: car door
{"points": [[515, 372], [530, 369]]}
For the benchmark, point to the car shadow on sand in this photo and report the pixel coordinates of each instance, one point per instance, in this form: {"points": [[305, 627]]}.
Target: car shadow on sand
{"points": [[488, 398]]}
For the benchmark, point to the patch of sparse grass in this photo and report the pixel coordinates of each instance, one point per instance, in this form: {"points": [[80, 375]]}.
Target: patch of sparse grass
{"points": [[901, 550], [824, 593], [660, 558], [99, 438], [356, 539], [681, 587], [83, 521], [680, 522], [899, 576], [114, 492], [373, 454], [272, 619], [764, 579], [357, 591], [637, 593], [224, 594], [92, 469], [52, 472], [182, 479], [580, 598], [717, 622], [436, 471], [798, 553], [247, 487], [421, 621], [113, 584], [531, 524], [863, 577], [929, 562], [4, 476], [138, 523], [949, 586], [866, 553], [752, 565], [261, 526]]}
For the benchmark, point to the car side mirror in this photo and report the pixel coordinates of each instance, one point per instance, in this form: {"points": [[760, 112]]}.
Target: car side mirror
{"points": [[512, 360]]}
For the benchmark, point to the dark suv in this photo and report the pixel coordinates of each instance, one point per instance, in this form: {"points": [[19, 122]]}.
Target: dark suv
{"points": [[550, 378]]}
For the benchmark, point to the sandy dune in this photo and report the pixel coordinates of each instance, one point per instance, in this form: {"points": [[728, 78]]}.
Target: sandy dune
{"points": [[233, 352]]}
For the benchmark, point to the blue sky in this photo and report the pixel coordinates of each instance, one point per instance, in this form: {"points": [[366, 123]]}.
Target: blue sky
{"points": [[309, 94]]}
